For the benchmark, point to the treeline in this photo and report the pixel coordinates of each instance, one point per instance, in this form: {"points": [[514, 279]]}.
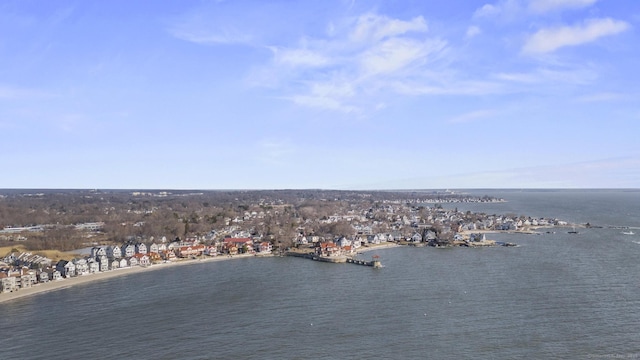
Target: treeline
{"points": [[134, 215]]}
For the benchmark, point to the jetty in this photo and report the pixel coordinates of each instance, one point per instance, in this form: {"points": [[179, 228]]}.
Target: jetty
{"points": [[341, 259], [375, 262]]}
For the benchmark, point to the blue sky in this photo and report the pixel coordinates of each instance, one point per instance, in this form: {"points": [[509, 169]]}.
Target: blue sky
{"points": [[331, 94]]}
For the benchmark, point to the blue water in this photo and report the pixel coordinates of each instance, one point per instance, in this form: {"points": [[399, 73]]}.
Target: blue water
{"points": [[557, 295]]}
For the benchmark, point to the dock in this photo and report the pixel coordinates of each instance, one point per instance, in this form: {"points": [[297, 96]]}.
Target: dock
{"points": [[375, 262]]}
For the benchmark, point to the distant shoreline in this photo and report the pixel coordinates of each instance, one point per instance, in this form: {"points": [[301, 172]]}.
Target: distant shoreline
{"points": [[90, 278]]}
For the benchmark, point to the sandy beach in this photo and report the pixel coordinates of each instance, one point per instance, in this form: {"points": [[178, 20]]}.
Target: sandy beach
{"points": [[376, 247], [89, 278]]}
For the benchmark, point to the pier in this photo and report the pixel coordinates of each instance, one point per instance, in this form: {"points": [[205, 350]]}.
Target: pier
{"points": [[375, 261]]}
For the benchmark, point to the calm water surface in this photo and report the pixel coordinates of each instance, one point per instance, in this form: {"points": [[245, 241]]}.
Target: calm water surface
{"points": [[556, 296]]}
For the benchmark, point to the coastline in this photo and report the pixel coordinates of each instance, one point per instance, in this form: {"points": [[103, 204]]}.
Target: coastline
{"points": [[376, 247], [89, 278]]}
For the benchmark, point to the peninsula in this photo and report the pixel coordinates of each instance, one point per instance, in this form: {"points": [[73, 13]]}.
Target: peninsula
{"points": [[124, 232]]}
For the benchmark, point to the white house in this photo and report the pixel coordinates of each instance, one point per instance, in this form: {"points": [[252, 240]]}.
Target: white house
{"points": [[82, 267], [114, 252], [141, 248], [8, 284], [128, 250], [98, 251]]}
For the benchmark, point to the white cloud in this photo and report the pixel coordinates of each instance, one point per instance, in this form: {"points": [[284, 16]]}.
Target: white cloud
{"points": [[543, 6], [323, 102], [395, 54], [373, 27], [504, 9], [472, 116], [527, 78], [204, 36], [473, 31], [351, 70], [300, 57], [209, 28], [568, 75], [487, 10], [450, 87], [510, 10], [551, 39]]}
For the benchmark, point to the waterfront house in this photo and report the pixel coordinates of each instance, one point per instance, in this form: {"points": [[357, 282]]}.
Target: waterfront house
{"points": [[98, 251], [343, 241], [94, 267], [242, 245], [128, 250], [142, 259], [66, 268], [104, 263], [132, 261], [187, 251], [327, 249], [25, 281], [265, 247], [114, 252], [153, 248], [123, 263], [114, 264], [231, 249], [8, 283], [55, 275], [211, 250], [43, 277], [168, 255], [141, 248], [82, 267]]}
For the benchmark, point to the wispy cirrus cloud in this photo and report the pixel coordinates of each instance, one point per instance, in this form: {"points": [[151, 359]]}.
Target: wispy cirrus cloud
{"points": [[507, 10], [351, 68], [574, 75], [543, 6], [472, 116], [190, 30], [551, 39], [510, 10]]}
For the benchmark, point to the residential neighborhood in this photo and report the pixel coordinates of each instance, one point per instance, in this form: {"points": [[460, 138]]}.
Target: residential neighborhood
{"points": [[324, 228]]}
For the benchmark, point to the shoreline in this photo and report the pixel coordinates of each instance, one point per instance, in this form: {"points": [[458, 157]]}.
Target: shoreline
{"points": [[376, 247], [52, 285]]}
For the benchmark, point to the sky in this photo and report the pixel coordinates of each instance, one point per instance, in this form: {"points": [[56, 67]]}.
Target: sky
{"points": [[332, 94]]}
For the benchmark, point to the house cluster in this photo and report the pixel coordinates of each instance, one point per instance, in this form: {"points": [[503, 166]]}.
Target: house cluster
{"points": [[390, 222], [18, 271]]}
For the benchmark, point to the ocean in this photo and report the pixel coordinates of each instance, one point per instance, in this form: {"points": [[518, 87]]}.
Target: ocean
{"points": [[555, 296]]}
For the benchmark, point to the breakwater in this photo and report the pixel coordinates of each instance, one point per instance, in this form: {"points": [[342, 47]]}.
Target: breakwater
{"points": [[375, 262]]}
